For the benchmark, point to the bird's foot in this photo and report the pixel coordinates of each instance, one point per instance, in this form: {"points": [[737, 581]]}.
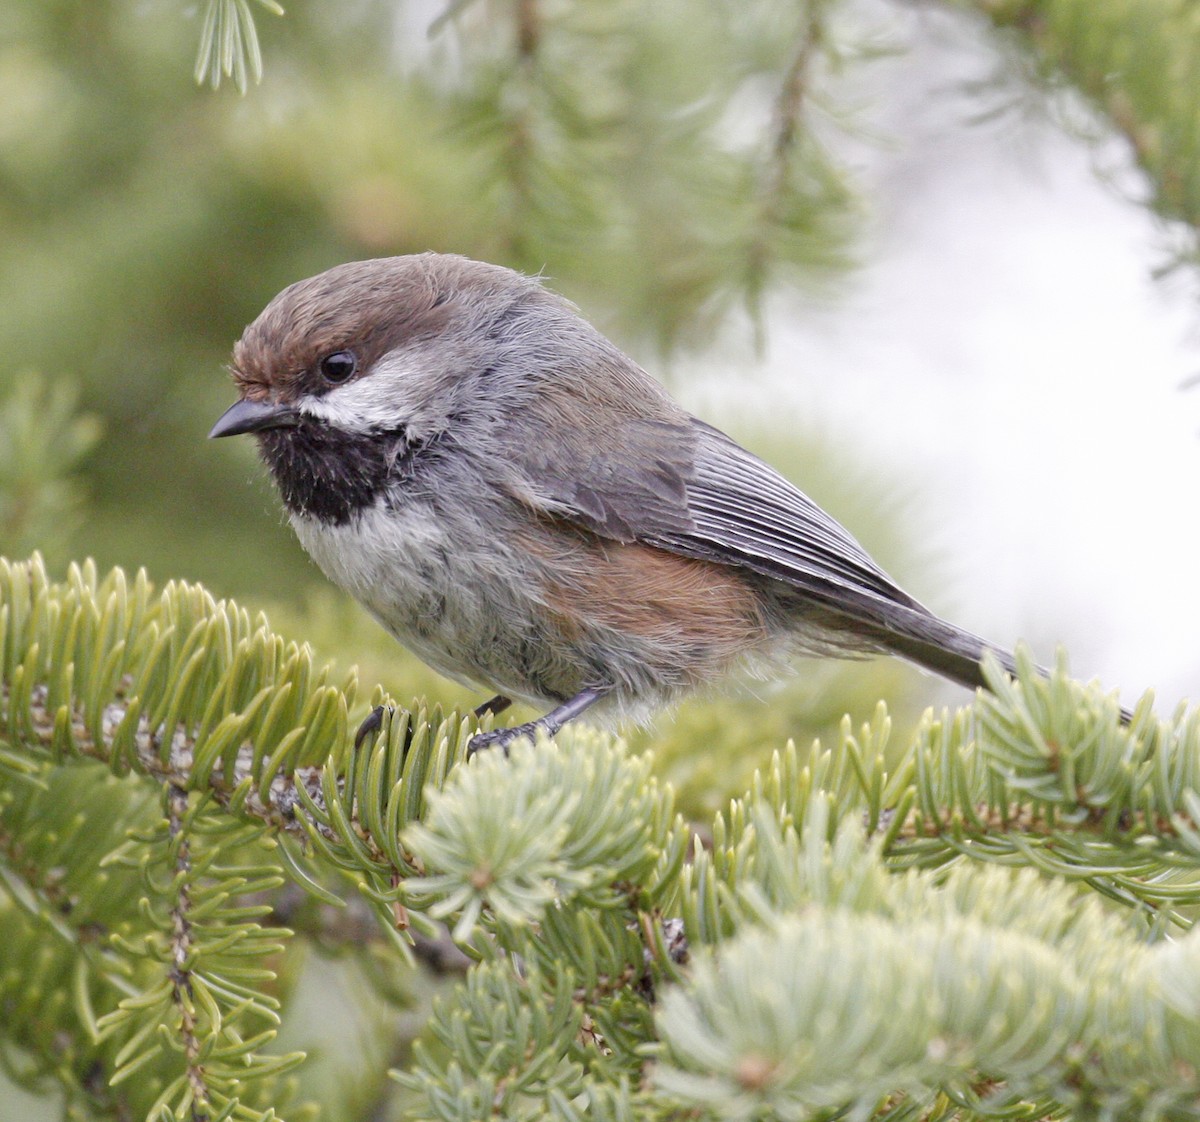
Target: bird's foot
{"points": [[502, 738], [372, 724], [550, 724]]}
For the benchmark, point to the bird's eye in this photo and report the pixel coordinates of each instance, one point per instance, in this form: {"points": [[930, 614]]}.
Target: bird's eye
{"points": [[338, 366]]}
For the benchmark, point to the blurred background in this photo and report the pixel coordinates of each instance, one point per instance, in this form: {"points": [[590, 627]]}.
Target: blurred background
{"points": [[936, 261]]}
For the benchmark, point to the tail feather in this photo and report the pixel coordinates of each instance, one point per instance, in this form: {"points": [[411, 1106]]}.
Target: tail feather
{"points": [[923, 638], [941, 647]]}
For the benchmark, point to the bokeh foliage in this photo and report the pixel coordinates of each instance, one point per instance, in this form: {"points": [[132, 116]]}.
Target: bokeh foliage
{"points": [[663, 163], [148, 221]]}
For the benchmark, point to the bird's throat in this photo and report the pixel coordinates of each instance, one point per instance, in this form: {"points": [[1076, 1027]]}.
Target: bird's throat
{"points": [[333, 475]]}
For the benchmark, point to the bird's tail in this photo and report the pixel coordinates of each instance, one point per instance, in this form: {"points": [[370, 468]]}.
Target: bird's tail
{"points": [[923, 638], [939, 646]]}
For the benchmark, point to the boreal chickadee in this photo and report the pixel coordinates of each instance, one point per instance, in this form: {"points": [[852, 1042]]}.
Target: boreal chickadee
{"points": [[520, 504]]}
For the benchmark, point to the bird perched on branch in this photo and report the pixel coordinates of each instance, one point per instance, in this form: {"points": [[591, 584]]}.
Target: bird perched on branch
{"points": [[526, 509]]}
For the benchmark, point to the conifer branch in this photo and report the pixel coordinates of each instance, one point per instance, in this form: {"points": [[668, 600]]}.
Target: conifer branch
{"points": [[1135, 63], [173, 763], [229, 43], [181, 952], [785, 134], [569, 859]]}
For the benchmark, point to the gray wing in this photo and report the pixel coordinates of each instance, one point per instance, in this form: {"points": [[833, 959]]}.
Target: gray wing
{"points": [[688, 488], [744, 512], [623, 482], [685, 486]]}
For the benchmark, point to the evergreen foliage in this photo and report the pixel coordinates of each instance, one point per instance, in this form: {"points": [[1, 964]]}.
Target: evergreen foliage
{"points": [[229, 43], [1134, 62], [994, 923], [43, 438]]}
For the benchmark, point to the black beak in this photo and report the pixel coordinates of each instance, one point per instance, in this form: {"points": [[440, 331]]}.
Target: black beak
{"points": [[254, 416]]}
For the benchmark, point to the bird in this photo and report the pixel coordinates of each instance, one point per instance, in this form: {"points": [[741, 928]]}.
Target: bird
{"points": [[525, 508]]}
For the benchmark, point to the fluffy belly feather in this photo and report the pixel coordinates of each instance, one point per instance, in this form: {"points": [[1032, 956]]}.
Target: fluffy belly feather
{"points": [[542, 617], [458, 600]]}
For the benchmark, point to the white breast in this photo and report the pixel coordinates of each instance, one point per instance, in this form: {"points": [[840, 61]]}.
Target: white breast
{"points": [[449, 594]]}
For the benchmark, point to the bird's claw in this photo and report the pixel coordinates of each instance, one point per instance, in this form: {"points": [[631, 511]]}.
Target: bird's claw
{"points": [[501, 738], [372, 724], [494, 705]]}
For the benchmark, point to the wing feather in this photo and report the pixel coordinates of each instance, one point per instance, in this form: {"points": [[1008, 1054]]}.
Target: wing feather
{"points": [[686, 487], [746, 513]]}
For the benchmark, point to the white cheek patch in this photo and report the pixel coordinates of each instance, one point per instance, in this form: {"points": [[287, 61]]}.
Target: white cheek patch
{"points": [[377, 401]]}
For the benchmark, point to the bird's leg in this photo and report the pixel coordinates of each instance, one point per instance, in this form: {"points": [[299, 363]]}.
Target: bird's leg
{"points": [[494, 705], [550, 723]]}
